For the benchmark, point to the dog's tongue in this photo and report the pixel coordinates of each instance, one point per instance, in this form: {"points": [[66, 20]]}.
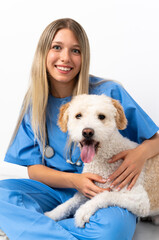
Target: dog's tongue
{"points": [[87, 153]]}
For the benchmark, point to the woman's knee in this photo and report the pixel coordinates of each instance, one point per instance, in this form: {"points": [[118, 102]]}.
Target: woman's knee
{"points": [[15, 192], [12, 184], [113, 223]]}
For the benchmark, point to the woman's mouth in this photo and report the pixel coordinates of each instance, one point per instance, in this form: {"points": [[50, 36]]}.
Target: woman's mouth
{"points": [[63, 69]]}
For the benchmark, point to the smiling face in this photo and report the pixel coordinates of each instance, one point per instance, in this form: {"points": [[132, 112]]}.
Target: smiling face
{"points": [[63, 60]]}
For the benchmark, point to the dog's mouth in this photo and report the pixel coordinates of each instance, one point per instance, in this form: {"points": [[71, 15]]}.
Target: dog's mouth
{"points": [[88, 150]]}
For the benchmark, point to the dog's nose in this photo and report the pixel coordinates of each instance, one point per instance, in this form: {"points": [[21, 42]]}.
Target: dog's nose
{"points": [[88, 133]]}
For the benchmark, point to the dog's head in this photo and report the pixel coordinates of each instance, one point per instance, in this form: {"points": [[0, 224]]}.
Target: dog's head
{"points": [[90, 121]]}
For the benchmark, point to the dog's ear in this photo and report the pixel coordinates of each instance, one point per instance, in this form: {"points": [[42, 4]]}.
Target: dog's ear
{"points": [[121, 120], [63, 117]]}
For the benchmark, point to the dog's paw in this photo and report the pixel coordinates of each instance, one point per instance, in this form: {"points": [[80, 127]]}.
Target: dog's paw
{"points": [[54, 215], [82, 216], [51, 215]]}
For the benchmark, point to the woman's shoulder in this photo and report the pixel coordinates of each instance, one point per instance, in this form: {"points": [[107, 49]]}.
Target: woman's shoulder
{"points": [[108, 87]]}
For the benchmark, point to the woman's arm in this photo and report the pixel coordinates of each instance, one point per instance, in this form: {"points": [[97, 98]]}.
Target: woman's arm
{"points": [[57, 179], [133, 163]]}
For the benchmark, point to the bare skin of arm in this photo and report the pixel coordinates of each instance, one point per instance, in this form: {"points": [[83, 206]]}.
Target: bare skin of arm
{"points": [[84, 182]]}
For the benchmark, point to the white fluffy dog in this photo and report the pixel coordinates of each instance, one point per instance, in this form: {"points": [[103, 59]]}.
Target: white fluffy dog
{"points": [[93, 122]]}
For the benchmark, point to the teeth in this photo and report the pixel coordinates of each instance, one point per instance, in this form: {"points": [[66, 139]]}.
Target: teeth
{"points": [[64, 68]]}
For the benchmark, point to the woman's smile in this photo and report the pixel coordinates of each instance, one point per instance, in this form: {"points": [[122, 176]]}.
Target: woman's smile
{"points": [[63, 69]]}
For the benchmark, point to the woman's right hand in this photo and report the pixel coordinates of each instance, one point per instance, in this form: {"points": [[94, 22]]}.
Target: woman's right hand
{"points": [[84, 183]]}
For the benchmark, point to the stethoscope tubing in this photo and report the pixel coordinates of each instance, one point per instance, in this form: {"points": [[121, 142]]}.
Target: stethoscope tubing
{"points": [[49, 152]]}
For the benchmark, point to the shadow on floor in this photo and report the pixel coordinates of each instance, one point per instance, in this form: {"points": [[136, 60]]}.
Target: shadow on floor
{"points": [[146, 231]]}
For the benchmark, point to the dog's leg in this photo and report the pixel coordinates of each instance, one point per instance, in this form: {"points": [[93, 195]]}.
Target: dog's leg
{"points": [[135, 201], [67, 208], [86, 210]]}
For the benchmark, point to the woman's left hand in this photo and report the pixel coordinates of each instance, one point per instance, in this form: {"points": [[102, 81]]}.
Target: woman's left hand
{"points": [[129, 170]]}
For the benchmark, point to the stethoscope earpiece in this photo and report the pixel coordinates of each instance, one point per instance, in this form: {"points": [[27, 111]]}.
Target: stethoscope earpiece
{"points": [[77, 163]]}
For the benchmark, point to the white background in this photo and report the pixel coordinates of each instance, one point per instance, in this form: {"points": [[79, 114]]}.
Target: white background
{"points": [[124, 40]]}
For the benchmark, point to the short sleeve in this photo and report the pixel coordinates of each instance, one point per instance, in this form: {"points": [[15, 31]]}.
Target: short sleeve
{"points": [[24, 149], [140, 126]]}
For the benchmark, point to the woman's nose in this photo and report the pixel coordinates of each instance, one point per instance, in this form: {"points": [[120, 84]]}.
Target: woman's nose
{"points": [[65, 56]]}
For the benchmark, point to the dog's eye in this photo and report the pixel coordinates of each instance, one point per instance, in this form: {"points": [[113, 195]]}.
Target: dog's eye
{"points": [[101, 116], [78, 116]]}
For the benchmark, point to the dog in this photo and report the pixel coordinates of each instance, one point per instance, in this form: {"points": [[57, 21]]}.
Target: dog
{"points": [[94, 121]]}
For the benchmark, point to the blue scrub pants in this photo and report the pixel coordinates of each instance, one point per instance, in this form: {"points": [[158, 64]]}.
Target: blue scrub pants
{"points": [[23, 202]]}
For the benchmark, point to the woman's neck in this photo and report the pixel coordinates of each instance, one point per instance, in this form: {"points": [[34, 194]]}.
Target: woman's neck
{"points": [[62, 90]]}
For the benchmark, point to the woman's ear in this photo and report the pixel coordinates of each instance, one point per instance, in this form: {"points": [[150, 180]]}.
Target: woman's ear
{"points": [[63, 117], [121, 120]]}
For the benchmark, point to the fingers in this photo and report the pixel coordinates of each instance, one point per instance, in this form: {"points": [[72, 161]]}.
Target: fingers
{"points": [[122, 183], [118, 156], [133, 182], [96, 177], [90, 188], [125, 174], [119, 172], [90, 195], [127, 177], [94, 191]]}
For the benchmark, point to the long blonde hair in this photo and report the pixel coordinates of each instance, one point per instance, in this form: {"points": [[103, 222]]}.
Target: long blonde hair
{"points": [[36, 97]]}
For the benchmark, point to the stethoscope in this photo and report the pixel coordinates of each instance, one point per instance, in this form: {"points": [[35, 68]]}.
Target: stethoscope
{"points": [[49, 152]]}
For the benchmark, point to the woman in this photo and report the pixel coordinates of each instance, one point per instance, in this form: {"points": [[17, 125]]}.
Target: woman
{"points": [[59, 71]]}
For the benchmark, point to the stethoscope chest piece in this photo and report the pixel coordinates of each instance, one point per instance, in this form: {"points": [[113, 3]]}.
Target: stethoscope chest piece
{"points": [[48, 152]]}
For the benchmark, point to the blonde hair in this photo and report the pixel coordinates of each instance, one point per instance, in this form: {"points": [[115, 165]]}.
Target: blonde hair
{"points": [[36, 97]]}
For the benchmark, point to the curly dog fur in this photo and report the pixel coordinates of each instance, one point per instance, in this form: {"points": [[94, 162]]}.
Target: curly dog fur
{"points": [[93, 121]]}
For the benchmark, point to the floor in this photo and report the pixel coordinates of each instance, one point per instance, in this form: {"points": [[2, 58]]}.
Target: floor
{"points": [[146, 231]]}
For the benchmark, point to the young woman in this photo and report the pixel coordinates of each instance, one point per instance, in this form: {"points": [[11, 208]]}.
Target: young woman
{"points": [[60, 70]]}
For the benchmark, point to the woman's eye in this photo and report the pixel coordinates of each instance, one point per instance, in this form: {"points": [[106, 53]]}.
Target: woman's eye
{"points": [[56, 47], [77, 51], [78, 116], [101, 116]]}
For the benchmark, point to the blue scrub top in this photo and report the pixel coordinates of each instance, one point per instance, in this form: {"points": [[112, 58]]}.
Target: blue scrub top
{"points": [[26, 150]]}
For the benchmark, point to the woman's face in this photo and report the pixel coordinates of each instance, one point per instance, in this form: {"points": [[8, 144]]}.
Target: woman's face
{"points": [[64, 58]]}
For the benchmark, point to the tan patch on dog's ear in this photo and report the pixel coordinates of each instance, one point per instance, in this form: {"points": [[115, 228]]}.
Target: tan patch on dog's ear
{"points": [[121, 120], [63, 117]]}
